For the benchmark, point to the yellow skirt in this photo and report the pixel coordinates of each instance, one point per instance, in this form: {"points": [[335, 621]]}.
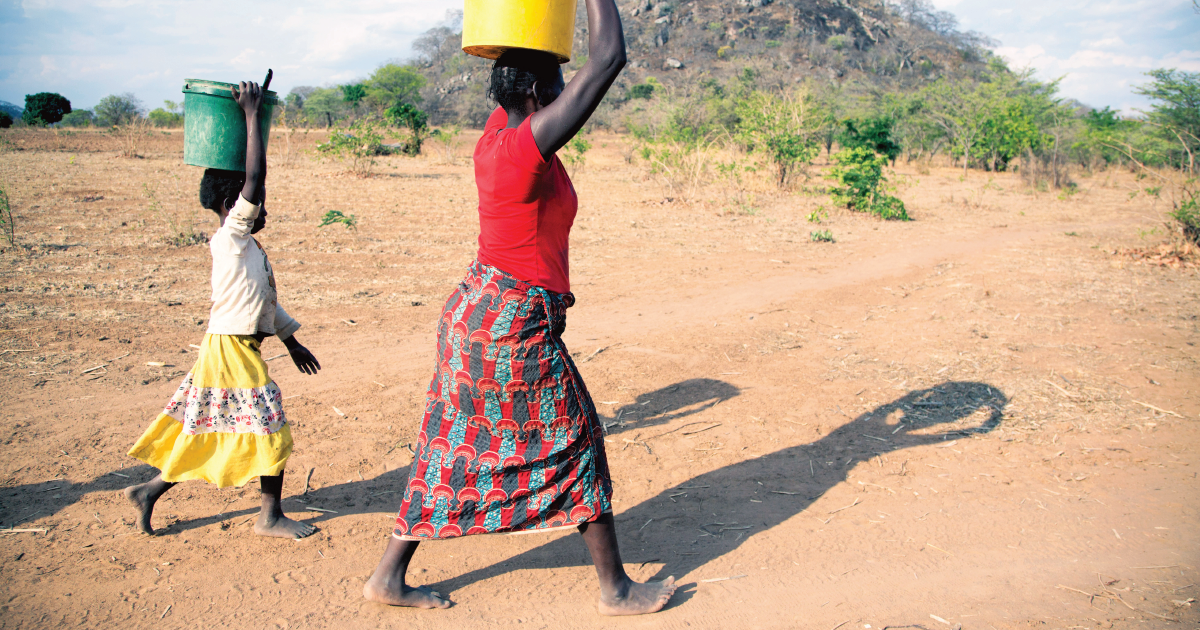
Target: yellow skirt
{"points": [[225, 423]]}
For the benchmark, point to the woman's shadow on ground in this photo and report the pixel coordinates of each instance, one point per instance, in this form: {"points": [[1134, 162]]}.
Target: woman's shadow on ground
{"points": [[20, 504], [697, 521]]}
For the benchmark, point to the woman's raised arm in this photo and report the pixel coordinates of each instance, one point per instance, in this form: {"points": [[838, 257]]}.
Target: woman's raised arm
{"points": [[562, 119]]}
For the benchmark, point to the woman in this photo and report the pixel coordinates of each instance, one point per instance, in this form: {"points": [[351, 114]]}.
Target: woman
{"points": [[511, 441]]}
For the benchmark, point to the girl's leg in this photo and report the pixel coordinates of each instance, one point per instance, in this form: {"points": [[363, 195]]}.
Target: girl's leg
{"points": [[271, 521], [144, 496], [620, 595], [387, 585]]}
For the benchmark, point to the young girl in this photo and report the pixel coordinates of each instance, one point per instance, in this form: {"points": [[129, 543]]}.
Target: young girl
{"points": [[225, 423]]}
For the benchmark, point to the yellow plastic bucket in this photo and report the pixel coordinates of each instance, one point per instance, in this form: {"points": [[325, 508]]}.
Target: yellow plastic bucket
{"points": [[491, 27]]}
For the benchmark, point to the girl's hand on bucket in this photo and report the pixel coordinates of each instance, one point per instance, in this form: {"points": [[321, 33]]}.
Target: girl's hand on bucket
{"points": [[249, 95]]}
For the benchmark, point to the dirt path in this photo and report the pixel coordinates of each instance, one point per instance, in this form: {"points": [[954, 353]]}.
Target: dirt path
{"points": [[956, 421]]}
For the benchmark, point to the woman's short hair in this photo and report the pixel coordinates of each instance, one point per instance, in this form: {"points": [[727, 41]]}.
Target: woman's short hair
{"points": [[218, 185], [516, 71]]}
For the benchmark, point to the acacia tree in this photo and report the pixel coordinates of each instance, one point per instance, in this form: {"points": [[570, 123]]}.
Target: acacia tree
{"points": [[392, 84], [1175, 111], [1024, 117], [783, 126], [324, 106], [117, 109], [45, 108], [961, 111], [354, 93]]}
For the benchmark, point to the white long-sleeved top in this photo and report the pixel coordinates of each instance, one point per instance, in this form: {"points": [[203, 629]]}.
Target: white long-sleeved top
{"points": [[243, 284]]}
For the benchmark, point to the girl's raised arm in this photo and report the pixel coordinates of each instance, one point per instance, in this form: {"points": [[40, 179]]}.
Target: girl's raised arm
{"points": [[250, 96]]}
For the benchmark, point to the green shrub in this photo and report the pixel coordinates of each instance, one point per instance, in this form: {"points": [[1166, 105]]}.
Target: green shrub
{"points": [[642, 90], [79, 118], [45, 108], [6, 219], [821, 236], [873, 133], [163, 118], [1187, 213], [573, 152], [861, 185], [356, 144], [836, 42], [336, 216], [407, 116]]}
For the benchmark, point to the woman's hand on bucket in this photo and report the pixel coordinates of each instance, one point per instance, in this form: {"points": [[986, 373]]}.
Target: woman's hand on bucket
{"points": [[249, 95]]}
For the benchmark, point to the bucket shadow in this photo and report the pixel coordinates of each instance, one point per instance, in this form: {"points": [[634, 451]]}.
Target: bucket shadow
{"points": [[678, 526], [669, 403]]}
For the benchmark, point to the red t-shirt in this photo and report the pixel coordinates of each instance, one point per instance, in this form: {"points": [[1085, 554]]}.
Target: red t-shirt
{"points": [[526, 206]]}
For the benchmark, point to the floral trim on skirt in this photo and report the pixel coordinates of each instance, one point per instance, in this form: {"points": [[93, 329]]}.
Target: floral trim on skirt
{"points": [[225, 423]]}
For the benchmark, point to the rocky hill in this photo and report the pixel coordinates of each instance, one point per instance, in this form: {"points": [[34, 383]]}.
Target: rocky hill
{"points": [[868, 43]]}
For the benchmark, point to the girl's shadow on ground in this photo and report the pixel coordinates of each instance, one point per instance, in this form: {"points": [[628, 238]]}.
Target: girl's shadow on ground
{"points": [[21, 504], [678, 527]]}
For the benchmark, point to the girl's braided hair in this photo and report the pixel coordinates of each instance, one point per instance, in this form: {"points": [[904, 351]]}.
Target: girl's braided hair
{"points": [[217, 185], [516, 71]]}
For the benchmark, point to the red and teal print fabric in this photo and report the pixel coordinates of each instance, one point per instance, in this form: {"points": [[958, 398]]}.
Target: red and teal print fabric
{"points": [[510, 440]]}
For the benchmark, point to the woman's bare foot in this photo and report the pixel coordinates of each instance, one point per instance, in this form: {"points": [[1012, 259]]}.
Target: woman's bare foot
{"points": [[638, 599], [139, 496], [280, 526], [378, 590]]}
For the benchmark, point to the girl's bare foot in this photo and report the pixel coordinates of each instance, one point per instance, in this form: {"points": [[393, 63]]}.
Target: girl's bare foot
{"points": [[140, 499], [378, 589], [143, 497], [638, 599], [280, 526]]}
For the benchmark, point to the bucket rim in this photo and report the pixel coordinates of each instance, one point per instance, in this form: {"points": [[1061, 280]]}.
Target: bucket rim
{"points": [[222, 90], [495, 48]]}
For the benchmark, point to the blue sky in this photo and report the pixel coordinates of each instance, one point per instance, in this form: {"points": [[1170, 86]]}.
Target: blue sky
{"points": [[85, 49], [1101, 48]]}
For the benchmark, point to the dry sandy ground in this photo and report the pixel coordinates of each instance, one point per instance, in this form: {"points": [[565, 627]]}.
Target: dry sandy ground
{"points": [[979, 418]]}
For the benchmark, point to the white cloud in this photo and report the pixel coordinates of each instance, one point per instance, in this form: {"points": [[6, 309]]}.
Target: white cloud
{"points": [[1104, 43], [48, 65], [1025, 57]]}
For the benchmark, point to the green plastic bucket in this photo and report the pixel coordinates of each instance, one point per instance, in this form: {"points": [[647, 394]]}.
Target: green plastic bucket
{"points": [[214, 126]]}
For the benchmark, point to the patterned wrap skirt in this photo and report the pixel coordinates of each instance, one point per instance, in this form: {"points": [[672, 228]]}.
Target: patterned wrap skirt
{"points": [[225, 423], [510, 441]]}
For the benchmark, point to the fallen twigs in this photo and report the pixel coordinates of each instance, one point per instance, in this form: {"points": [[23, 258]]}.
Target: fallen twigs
{"points": [[1107, 594], [856, 502]]}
